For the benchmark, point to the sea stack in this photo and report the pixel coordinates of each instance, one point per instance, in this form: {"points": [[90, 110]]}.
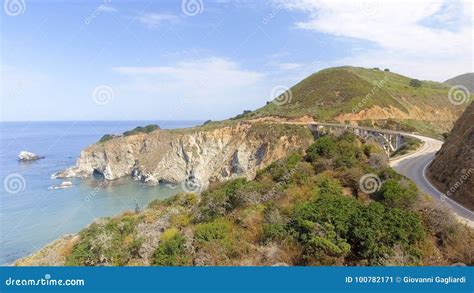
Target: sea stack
{"points": [[25, 156]]}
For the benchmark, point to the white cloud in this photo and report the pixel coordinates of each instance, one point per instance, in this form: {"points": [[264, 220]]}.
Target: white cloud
{"points": [[432, 34], [289, 66], [219, 71], [195, 88], [154, 20]]}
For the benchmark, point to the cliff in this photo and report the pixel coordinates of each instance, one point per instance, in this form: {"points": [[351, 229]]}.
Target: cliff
{"points": [[308, 208], [452, 170], [204, 154]]}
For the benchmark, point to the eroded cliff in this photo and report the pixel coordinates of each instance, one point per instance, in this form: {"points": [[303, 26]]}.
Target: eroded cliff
{"points": [[452, 170], [206, 153]]}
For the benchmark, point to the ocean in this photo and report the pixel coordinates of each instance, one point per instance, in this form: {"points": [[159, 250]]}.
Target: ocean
{"points": [[31, 213]]}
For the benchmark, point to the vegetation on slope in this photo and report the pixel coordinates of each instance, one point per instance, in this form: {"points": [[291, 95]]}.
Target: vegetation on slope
{"points": [[422, 106], [306, 209], [452, 170], [466, 80]]}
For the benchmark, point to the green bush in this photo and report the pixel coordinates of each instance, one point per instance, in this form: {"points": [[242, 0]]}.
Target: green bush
{"points": [[415, 83], [120, 243], [141, 129], [281, 170], [218, 234], [321, 226], [274, 225], [171, 250], [398, 195], [323, 147], [222, 198], [106, 137], [216, 230], [328, 186], [375, 230]]}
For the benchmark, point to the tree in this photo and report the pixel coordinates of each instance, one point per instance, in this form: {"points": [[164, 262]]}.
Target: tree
{"points": [[397, 195], [387, 70], [415, 83], [323, 147]]}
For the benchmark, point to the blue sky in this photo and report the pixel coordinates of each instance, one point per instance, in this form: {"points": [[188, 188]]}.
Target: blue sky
{"points": [[193, 59]]}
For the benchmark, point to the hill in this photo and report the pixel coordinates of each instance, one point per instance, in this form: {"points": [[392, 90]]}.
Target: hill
{"points": [[307, 208], [368, 97], [466, 80], [452, 170]]}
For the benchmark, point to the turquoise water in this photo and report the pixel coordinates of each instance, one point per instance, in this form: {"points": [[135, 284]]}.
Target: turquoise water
{"points": [[32, 214]]}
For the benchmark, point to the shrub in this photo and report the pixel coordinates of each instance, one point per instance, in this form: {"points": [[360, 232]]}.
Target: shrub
{"points": [[321, 225], [415, 83], [216, 230], [334, 209], [399, 195], [114, 242], [140, 129], [171, 250], [107, 137], [375, 231], [323, 147], [281, 170], [218, 234], [221, 198], [328, 186], [274, 225]]}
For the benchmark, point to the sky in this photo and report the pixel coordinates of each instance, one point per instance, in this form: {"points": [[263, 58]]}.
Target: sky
{"points": [[210, 59]]}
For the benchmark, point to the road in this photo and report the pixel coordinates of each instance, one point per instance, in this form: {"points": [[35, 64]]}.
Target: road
{"points": [[414, 166]]}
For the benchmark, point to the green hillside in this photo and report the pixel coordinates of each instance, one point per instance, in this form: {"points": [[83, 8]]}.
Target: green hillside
{"points": [[306, 209], [344, 90], [466, 80]]}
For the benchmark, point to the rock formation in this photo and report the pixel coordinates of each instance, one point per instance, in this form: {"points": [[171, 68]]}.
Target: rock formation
{"points": [[207, 153], [452, 170], [25, 156]]}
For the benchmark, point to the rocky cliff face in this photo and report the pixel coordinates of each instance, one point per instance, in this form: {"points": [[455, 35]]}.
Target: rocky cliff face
{"points": [[452, 170], [206, 154]]}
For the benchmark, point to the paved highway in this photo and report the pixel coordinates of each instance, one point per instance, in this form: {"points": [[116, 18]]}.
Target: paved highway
{"points": [[414, 166]]}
